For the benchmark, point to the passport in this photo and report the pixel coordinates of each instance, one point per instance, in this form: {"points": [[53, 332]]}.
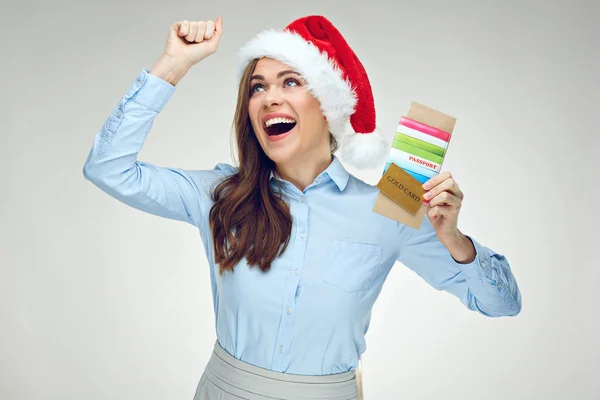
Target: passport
{"points": [[414, 159]]}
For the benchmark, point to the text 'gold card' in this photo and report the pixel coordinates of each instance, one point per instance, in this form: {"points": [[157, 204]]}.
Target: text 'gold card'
{"points": [[402, 188]]}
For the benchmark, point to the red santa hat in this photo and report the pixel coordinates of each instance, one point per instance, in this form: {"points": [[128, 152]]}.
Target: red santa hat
{"points": [[313, 47]]}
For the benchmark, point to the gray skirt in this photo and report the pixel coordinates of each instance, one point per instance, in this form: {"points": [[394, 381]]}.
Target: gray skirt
{"points": [[227, 378]]}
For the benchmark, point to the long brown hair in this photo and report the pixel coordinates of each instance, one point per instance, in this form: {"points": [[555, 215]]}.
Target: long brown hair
{"points": [[249, 219]]}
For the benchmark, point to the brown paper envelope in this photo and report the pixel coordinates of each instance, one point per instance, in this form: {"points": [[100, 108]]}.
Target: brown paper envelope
{"points": [[429, 116], [384, 205]]}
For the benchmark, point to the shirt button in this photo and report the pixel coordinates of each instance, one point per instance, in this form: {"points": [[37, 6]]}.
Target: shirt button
{"points": [[288, 310], [119, 113], [297, 271], [138, 84], [499, 285], [303, 199], [281, 349], [303, 235]]}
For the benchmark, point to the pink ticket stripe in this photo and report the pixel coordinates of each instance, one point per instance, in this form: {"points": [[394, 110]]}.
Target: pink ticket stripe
{"points": [[428, 129]]}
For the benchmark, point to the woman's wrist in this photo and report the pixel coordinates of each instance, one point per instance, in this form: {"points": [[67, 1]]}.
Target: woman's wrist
{"points": [[169, 70]]}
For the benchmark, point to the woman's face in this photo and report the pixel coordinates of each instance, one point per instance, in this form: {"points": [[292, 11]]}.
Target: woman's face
{"points": [[287, 119]]}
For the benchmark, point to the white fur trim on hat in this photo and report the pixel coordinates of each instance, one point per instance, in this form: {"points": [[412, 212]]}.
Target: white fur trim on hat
{"points": [[324, 78]]}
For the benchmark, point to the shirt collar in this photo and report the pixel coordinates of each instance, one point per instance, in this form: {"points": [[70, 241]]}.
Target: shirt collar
{"points": [[335, 171]]}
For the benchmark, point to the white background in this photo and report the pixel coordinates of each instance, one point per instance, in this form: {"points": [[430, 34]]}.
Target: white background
{"points": [[101, 301]]}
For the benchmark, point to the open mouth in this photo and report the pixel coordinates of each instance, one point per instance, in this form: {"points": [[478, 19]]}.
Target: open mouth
{"points": [[279, 126]]}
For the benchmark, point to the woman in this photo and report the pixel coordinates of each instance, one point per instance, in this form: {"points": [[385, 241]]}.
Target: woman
{"points": [[297, 256]]}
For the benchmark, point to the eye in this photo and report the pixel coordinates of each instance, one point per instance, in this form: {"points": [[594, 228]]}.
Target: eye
{"points": [[254, 87], [292, 80]]}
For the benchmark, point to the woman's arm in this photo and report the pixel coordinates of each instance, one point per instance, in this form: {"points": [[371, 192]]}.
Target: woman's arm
{"points": [[112, 163], [486, 284]]}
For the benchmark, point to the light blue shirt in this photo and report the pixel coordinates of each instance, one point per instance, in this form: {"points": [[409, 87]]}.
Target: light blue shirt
{"points": [[309, 314]]}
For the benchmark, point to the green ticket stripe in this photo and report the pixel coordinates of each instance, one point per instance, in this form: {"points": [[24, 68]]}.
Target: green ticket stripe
{"points": [[432, 148], [417, 151]]}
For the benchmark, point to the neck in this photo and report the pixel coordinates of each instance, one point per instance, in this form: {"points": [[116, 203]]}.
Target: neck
{"points": [[302, 173]]}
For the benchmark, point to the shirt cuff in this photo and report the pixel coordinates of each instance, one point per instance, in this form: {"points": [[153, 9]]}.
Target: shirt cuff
{"points": [[488, 271], [481, 267], [150, 91]]}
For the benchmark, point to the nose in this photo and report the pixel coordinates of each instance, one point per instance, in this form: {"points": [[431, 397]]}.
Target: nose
{"points": [[272, 97]]}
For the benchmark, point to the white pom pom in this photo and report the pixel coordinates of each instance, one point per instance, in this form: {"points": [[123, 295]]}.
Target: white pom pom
{"points": [[365, 150]]}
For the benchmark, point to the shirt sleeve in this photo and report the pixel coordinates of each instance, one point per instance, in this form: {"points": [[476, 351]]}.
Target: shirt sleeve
{"points": [[112, 163], [486, 285]]}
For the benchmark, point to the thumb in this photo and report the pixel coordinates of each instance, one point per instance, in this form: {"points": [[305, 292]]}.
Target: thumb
{"points": [[181, 28], [219, 27]]}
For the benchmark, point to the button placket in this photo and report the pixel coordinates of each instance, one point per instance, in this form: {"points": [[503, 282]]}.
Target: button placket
{"points": [[288, 302]]}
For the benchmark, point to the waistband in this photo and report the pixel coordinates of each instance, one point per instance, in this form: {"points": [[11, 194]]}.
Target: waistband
{"points": [[245, 378]]}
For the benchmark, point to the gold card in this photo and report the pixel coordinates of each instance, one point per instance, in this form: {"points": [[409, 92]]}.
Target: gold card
{"points": [[402, 188]]}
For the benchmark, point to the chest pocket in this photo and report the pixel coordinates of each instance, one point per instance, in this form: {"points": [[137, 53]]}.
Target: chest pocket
{"points": [[352, 266]]}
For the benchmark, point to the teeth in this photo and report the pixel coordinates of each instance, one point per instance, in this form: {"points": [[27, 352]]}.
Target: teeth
{"points": [[274, 121]]}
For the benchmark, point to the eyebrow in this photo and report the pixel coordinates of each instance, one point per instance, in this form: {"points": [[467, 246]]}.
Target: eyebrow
{"points": [[279, 75]]}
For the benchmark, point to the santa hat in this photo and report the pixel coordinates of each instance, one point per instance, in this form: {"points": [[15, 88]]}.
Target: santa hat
{"points": [[316, 49]]}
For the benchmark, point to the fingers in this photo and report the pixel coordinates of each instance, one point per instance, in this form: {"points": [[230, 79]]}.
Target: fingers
{"points": [[443, 182], [213, 31], [183, 28], [210, 30], [445, 199], [437, 212], [191, 36], [198, 31], [432, 182], [433, 212]]}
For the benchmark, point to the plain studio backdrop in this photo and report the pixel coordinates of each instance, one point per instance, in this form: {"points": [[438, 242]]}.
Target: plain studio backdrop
{"points": [[101, 301]]}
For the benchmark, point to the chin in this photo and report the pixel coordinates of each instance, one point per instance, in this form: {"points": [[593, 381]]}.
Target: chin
{"points": [[281, 155], [282, 148]]}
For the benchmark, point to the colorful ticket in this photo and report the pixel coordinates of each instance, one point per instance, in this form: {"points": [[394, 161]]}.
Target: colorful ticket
{"points": [[408, 161], [430, 143], [428, 129]]}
